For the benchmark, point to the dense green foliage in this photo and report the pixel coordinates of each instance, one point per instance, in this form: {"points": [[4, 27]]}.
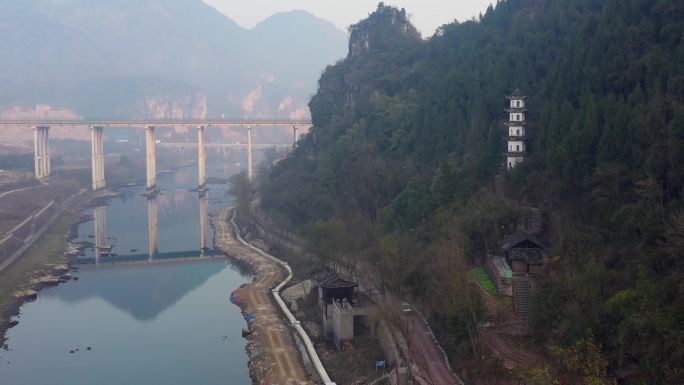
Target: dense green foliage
{"points": [[408, 139]]}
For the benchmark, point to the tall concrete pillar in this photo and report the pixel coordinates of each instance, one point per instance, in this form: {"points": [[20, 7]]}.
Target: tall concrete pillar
{"points": [[41, 152], [151, 160], [97, 149], [93, 159], [37, 158], [100, 221], [203, 207], [249, 153], [47, 168], [294, 136], [152, 226], [102, 159], [202, 159]]}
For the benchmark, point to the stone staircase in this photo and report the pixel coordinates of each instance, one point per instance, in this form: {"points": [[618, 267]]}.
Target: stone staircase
{"points": [[533, 221], [382, 380], [521, 296], [511, 356]]}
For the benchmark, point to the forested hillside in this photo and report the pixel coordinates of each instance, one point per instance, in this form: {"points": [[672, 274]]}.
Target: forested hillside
{"points": [[400, 171]]}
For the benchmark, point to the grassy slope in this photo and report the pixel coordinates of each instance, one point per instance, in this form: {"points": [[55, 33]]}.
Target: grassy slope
{"points": [[48, 250]]}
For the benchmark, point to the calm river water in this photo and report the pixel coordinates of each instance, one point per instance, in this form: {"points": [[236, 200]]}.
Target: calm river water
{"points": [[148, 314]]}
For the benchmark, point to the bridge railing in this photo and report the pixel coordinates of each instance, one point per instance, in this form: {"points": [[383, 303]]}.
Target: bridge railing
{"points": [[139, 123]]}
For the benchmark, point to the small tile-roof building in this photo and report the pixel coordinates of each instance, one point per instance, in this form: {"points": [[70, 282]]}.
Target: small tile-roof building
{"points": [[523, 253], [337, 288], [339, 306], [331, 289]]}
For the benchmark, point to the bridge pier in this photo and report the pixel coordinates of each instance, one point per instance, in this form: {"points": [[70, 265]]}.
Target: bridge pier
{"points": [[294, 135], [151, 159], [202, 159], [249, 153], [41, 153], [152, 226], [97, 149]]}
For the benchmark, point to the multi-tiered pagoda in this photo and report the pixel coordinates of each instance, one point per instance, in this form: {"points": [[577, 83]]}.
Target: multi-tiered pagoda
{"points": [[515, 151]]}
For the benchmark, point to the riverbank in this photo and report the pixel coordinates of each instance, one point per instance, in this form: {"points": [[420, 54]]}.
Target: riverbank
{"points": [[273, 354], [46, 263]]}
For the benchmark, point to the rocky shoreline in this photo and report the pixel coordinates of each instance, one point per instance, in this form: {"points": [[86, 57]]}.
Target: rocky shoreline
{"points": [[264, 344], [258, 363], [48, 276]]}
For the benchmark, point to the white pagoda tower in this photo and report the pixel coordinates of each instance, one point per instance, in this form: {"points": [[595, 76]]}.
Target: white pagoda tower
{"points": [[515, 151]]}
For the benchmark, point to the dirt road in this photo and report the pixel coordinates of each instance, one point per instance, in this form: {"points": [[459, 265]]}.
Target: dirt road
{"points": [[275, 358], [426, 351]]}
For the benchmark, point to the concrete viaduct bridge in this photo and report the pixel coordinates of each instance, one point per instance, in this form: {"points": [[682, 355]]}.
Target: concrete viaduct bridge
{"points": [[42, 150]]}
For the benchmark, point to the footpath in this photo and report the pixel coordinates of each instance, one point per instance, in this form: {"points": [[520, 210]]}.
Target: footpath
{"points": [[274, 357]]}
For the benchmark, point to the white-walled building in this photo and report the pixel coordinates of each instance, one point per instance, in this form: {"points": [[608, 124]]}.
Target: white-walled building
{"points": [[516, 149]]}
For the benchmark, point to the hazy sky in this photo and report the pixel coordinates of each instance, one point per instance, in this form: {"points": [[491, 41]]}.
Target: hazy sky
{"points": [[427, 15]]}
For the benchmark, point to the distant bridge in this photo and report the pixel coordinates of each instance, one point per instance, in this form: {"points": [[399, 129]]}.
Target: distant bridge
{"points": [[41, 128], [221, 145], [173, 123]]}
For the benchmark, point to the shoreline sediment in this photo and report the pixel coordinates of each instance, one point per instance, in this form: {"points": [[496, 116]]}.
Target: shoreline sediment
{"points": [[272, 352], [64, 265]]}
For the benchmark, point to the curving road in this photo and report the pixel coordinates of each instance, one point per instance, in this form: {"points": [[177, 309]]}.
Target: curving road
{"points": [[426, 351]]}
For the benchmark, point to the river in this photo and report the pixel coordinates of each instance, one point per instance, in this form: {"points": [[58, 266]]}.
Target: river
{"points": [[152, 310]]}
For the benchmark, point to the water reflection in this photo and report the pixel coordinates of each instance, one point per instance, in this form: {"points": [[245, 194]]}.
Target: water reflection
{"points": [[139, 314], [107, 250], [142, 324], [143, 292], [152, 226], [203, 209], [100, 223]]}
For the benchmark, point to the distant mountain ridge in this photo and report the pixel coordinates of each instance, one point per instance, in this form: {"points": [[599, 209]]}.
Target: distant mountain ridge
{"points": [[160, 59]]}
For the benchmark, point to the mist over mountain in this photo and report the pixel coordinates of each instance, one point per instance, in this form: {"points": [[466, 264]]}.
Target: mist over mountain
{"points": [[158, 59]]}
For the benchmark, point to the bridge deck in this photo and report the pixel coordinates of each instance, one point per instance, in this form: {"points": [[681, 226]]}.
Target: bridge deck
{"points": [[158, 123], [222, 145]]}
